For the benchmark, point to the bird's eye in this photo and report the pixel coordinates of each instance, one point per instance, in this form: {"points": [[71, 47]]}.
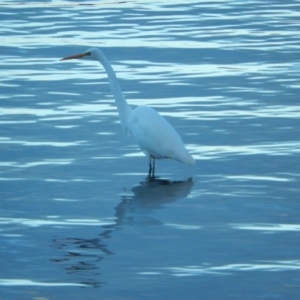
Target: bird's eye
{"points": [[88, 53]]}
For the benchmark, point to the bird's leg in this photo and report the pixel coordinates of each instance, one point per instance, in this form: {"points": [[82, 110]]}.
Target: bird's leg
{"points": [[151, 167]]}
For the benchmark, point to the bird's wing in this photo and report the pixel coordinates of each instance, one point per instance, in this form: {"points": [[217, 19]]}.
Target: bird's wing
{"points": [[155, 136]]}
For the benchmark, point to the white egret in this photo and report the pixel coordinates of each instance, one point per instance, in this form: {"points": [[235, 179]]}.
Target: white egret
{"points": [[153, 134]]}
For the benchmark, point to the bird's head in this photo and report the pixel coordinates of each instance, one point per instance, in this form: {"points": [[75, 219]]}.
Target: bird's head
{"points": [[88, 54]]}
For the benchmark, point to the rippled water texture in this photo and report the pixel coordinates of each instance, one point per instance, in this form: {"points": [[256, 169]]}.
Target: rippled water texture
{"points": [[80, 220]]}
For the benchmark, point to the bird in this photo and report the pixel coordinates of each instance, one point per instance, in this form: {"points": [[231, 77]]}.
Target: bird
{"points": [[154, 135]]}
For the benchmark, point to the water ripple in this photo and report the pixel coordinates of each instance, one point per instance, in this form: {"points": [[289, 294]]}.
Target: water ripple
{"points": [[212, 152], [27, 282], [268, 227], [53, 222], [267, 266]]}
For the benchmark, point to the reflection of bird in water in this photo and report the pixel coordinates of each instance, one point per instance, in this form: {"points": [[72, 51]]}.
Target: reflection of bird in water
{"points": [[153, 134], [150, 195], [82, 257]]}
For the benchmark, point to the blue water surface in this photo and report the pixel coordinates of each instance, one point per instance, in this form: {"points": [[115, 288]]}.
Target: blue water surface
{"points": [[79, 217]]}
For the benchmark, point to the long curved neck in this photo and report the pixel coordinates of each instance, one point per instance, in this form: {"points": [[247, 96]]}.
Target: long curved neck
{"points": [[123, 107]]}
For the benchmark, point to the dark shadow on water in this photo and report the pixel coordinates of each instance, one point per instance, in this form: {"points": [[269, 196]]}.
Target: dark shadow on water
{"points": [[82, 257], [152, 194]]}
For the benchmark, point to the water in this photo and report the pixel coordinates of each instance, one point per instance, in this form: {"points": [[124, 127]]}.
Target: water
{"points": [[79, 220]]}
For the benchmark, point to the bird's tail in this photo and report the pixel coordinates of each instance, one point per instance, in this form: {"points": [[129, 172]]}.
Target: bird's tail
{"points": [[185, 157]]}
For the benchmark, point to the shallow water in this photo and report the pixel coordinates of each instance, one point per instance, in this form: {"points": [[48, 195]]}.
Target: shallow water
{"points": [[79, 220]]}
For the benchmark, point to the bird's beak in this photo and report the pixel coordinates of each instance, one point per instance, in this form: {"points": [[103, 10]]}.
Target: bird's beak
{"points": [[74, 56]]}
